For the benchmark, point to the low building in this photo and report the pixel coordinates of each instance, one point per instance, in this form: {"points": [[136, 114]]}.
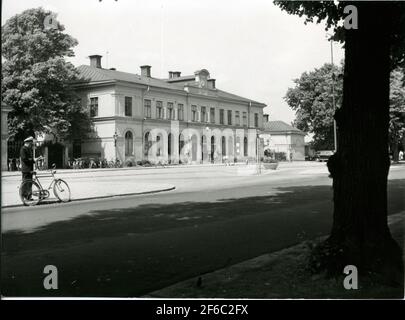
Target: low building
{"points": [[284, 140], [172, 120]]}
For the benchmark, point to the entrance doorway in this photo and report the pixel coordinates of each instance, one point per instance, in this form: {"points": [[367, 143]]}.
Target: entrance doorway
{"points": [[55, 155]]}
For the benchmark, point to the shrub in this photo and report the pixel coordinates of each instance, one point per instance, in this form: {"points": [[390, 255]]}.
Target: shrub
{"points": [[128, 163], [144, 163]]}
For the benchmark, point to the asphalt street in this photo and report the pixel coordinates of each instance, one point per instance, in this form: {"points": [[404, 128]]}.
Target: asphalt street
{"points": [[130, 246]]}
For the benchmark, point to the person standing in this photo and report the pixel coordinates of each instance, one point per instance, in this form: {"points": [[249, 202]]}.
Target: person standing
{"points": [[27, 163]]}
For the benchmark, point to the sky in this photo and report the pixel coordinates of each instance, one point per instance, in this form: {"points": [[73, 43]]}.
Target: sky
{"points": [[251, 47]]}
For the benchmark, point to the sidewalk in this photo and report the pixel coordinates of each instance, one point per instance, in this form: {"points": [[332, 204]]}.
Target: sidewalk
{"points": [[84, 189], [70, 171], [279, 275], [284, 164]]}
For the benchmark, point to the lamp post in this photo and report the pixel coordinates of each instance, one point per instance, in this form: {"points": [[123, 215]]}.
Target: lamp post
{"points": [[259, 169], [333, 94], [115, 136]]}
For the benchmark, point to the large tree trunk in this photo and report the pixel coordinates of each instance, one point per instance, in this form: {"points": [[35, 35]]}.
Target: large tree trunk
{"points": [[360, 235]]}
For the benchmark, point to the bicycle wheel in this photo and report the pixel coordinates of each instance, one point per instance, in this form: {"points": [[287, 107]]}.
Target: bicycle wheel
{"points": [[61, 190], [30, 193]]}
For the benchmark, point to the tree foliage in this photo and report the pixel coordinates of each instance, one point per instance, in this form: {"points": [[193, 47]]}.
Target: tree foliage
{"points": [[311, 99], [397, 109], [36, 77]]}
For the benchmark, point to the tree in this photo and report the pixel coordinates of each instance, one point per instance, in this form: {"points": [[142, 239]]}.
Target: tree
{"points": [[36, 78], [311, 99], [360, 235], [397, 110]]}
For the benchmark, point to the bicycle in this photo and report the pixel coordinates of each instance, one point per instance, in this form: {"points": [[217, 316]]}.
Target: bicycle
{"points": [[31, 191]]}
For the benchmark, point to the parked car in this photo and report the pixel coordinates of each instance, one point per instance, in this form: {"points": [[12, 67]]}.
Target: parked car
{"points": [[323, 155]]}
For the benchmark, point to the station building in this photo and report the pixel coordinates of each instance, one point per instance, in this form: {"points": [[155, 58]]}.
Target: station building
{"points": [[180, 118]]}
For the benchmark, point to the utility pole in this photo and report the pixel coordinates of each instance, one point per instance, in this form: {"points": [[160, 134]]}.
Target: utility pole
{"points": [[333, 97]]}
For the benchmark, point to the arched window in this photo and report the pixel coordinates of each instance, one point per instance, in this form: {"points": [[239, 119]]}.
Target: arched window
{"points": [[181, 143], [129, 144], [212, 148], [169, 144], [147, 143], [245, 147], [204, 148]]}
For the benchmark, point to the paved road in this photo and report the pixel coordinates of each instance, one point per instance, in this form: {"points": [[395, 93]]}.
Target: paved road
{"points": [[130, 246]]}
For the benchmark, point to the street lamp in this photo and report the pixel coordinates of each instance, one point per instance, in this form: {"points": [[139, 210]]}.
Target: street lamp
{"points": [[333, 93], [115, 136]]}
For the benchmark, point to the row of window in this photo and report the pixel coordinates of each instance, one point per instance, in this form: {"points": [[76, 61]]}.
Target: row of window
{"points": [[94, 107], [194, 114], [180, 112]]}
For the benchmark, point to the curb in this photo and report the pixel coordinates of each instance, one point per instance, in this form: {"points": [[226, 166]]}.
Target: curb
{"points": [[101, 197]]}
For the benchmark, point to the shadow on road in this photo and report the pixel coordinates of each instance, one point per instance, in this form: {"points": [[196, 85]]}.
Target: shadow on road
{"points": [[133, 251]]}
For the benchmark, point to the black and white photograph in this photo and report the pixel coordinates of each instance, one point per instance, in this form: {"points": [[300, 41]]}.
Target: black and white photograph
{"points": [[202, 150]]}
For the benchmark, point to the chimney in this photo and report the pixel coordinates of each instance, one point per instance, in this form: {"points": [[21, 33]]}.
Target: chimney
{"points": [[266, 117], [95, 61], [145, 71], [211, 83], [176, 74], [170, 74]]}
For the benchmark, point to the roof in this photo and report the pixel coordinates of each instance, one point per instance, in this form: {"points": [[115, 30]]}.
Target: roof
{"points": [[92, 74], [280, 126], [180, 79]]}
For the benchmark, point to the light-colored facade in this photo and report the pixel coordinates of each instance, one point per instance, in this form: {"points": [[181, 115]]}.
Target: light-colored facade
{"points": [[280, 137], [186, 119]]}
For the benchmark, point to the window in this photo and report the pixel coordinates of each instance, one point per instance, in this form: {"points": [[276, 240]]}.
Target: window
{"points": [[169, 144], [181, 143], [129, 144], [203, 114], [170, 111], [180, 112], [245, 146], [93, 107], [237, 118], [223, 146], [221, 116], [212, 115], [245, 119], [194, 113], [147, 144], [147, 109], [128, 106], [159, 110], [229, 117], [256, 120]]}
